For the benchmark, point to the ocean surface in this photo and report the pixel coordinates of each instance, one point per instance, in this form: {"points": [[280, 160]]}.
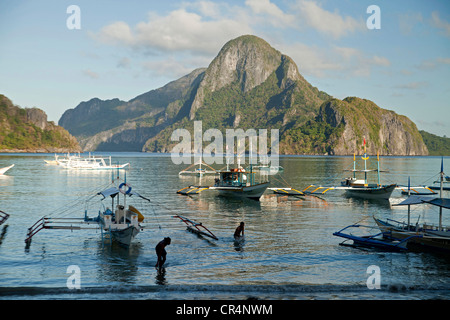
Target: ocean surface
{"points": [[289, 251]]}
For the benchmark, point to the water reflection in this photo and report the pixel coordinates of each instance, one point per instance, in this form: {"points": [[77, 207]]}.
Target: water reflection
{"points": [[116, 262], [288, 240], [160, 278], [3, 234]]}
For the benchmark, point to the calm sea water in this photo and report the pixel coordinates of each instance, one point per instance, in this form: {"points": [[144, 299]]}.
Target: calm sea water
{"points": [[289, 251]]}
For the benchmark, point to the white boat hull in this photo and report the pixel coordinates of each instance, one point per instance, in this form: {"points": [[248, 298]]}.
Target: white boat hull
{"points": [[125, 236], [3, 170], [252, 192]]}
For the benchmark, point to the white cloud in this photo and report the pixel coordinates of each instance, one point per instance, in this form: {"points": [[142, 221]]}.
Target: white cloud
{"points": [[327, 22], [440, 24], [91, 74], [116, 33], [334, 61], [201, 28], [180, 30], [170, 67], [275, 15], [311, 60]]}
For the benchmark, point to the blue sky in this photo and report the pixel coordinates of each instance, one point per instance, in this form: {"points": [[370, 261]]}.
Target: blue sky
{"points": [[126, 48]]}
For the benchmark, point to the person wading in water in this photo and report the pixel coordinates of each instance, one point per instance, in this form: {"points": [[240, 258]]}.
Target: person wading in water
{"points": [[239, 231], [161, 252]]}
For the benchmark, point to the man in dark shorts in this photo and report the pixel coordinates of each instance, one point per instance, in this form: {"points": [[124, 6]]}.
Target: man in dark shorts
{"points": [[161, 252], [239, 231]]}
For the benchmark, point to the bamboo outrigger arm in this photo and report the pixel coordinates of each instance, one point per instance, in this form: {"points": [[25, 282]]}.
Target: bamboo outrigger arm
{"points": [[196, 227], [317, 188]]}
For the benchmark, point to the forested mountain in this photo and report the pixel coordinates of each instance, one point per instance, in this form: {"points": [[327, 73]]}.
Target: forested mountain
{"points": [[248, 85], [27, 130]]}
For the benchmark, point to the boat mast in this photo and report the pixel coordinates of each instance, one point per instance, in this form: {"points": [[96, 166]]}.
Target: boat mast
{"points": [[354, 165], [409, 206], [378, 167], [440, 193], [365, 162]]}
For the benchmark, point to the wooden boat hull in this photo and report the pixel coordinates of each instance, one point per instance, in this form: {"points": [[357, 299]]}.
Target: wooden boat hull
{"points": [[252, 192], [427, 239], [125, 236], [383, 192]]}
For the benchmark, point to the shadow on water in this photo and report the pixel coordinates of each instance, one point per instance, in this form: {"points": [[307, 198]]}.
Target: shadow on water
{"points": [[3, 234], [160, 278]]}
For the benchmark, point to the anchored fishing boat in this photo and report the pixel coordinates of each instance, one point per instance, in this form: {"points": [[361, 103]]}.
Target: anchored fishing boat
{"points": [[117, 222], [239, 183], [236, 182], [432, 237], [359, 188], [4, 169], [62, 160], [381, 240], [90, 163]]}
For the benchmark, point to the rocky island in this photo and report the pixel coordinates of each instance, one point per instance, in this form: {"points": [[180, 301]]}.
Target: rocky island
{"points": [[248, 85]]}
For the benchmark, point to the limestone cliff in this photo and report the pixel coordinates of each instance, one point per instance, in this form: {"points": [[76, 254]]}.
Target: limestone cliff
{"points": [[27, 130], [384, 131], [248, 61], [248, 85]]}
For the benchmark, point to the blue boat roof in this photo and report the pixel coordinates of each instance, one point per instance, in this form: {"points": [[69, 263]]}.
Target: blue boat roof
{"points": [[440, 202]]}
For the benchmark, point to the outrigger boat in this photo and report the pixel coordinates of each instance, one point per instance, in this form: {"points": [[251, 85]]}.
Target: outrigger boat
{"points": [[432, 237], [238, 182], [61, 160], [196, 227], [90, 163], [381, 240], [232, 182], [359, 188], [3, 170], [121, 225]]}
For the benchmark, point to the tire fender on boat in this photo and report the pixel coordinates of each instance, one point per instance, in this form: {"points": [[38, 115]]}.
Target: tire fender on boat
{"points": [[122, 190]]}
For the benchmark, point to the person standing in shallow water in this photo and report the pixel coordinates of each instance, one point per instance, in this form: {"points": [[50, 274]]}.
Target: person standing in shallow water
{"points": [[161, 252], [239, 231]]}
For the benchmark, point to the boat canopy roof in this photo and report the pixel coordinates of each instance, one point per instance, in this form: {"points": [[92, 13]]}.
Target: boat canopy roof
{"points": [[440, 202]]}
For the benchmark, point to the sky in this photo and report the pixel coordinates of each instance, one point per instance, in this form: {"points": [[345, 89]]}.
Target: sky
{"points": [[53, 57]]}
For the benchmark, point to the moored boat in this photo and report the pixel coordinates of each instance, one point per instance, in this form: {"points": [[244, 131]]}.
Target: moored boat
{"points": [[357, 187], [121, 225], [381, 240], [432, 237], [4, 169], [90, 163], [239, 183]]}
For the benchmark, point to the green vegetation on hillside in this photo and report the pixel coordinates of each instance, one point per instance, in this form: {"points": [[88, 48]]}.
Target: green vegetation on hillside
{"points": [[314, 137], [16, 132], [437, 146]]}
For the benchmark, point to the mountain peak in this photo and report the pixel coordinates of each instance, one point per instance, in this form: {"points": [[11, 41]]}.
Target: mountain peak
{"points": [[247, 60]]}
